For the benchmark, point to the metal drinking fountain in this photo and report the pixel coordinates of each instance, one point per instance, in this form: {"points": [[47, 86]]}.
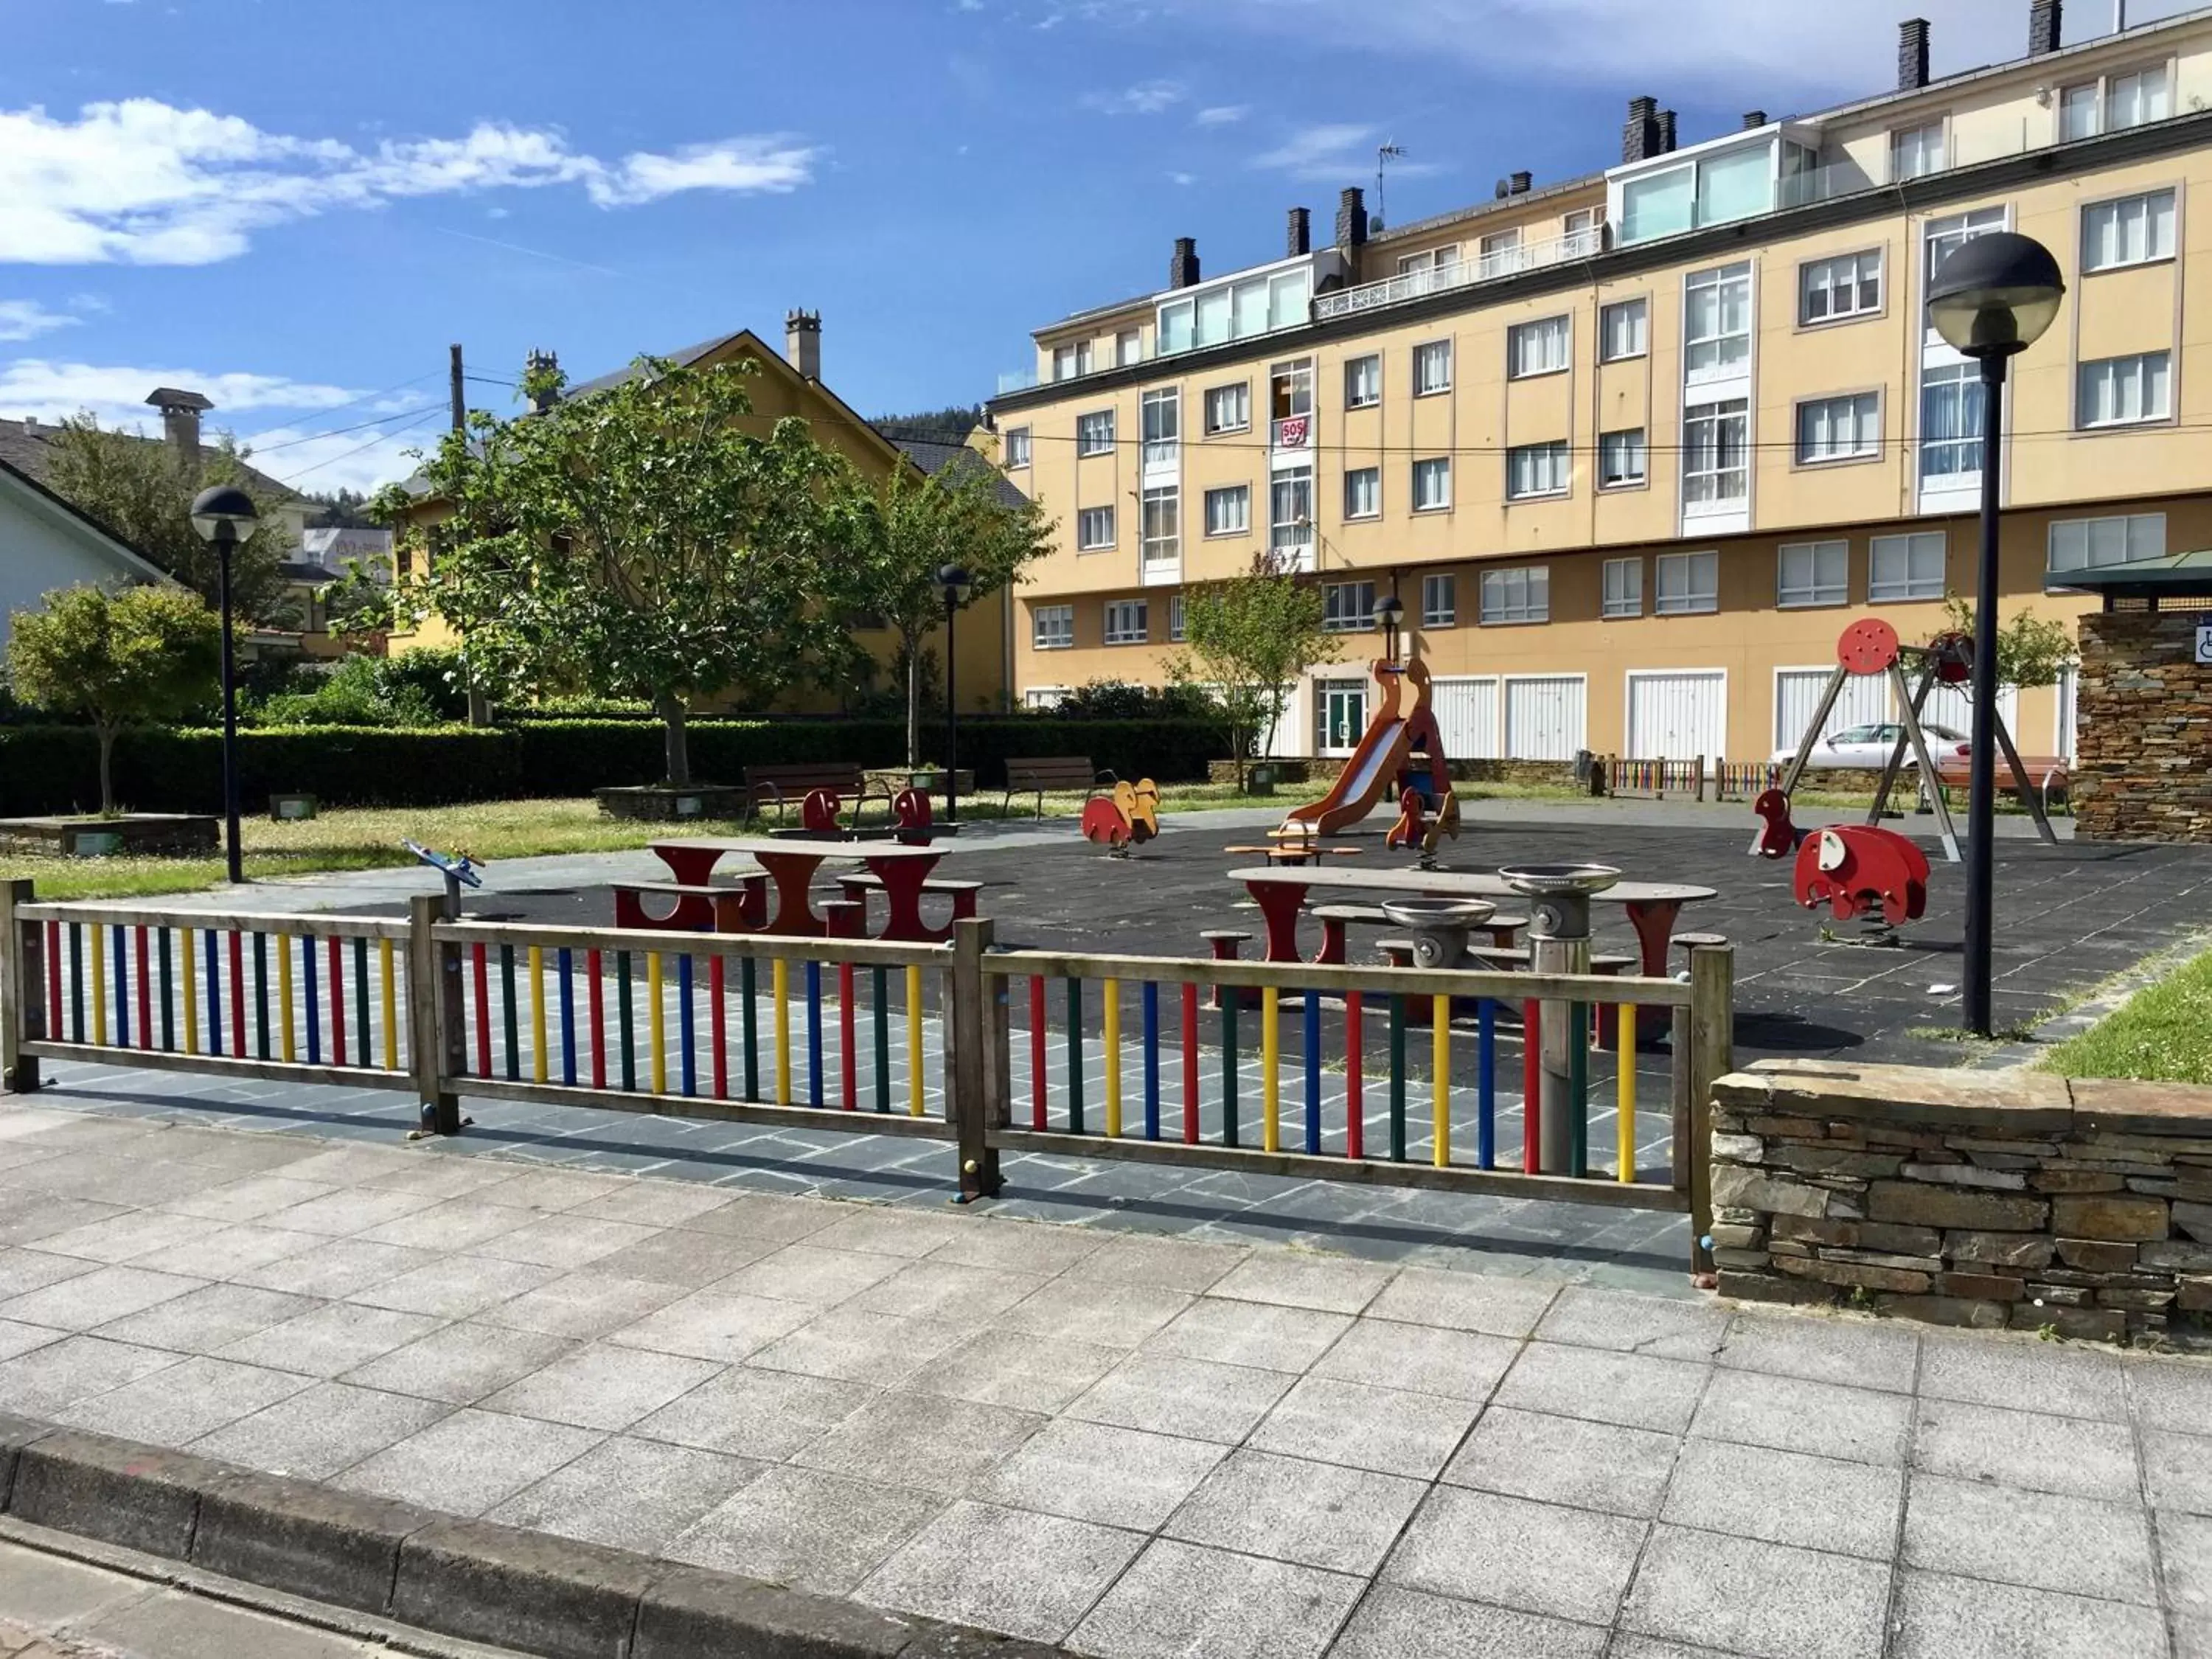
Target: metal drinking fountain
{"points": [[1558, 943], [1438, 928]]}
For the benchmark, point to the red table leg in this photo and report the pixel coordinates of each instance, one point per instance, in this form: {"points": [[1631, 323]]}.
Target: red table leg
{"points": [[742, 908], [792, 874], [902, 879], [1279, 902], [689, 866], [1654, 922]]}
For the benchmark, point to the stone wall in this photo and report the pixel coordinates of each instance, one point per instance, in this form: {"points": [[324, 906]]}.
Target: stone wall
{"points": [[2145, 740], [1965, 1198]]}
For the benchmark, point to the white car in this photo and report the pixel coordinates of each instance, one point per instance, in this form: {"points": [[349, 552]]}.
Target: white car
{"points": [[1868, 748]]}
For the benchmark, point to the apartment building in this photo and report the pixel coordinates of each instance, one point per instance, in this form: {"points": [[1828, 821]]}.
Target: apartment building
{"points": [[1632, 448]]}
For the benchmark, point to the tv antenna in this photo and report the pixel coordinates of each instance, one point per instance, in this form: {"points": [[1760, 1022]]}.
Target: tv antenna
{"points": [[1389, 150]]}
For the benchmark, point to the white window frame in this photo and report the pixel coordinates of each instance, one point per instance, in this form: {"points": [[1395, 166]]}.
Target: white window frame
{"points": [[1432, 467], [1159, 424], [2141, 536], [1374, 509], [2114, 371], [1726, 350], [1017, 448], [1096, 440], [2103, 94], [1966, 449], [1051, 627], [1357, 369], [1824, 578], [1426, 356], [1157, 506], [1239, 524], [1514, 596], [1633, 318], [1550, 468], [1857, 412], [1695, 579], [1543, 345], [1632, 443], [1238, 393], [1086, 525], [1908, 588], [2152, 209], [1176, 627], [1855, 271], [1129, 622], [1498, 253], [1717, 413], [1129, 347], [1288, 490], [1917, 142], [1440, 600], [1347, 607], [1620, 587]]}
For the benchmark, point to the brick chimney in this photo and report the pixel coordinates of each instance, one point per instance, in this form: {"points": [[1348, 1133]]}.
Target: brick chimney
{"points": [[1753, 119], [1182, 265], [1640, 134], [1911, 54], [1666, 132], [2042, 27], [1300, 238], [802, 341], [180, 423], [1351, 218], [542, 362]]}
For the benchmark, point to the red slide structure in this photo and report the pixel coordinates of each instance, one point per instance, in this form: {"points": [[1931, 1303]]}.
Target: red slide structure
{"points": [[1379, 768]]}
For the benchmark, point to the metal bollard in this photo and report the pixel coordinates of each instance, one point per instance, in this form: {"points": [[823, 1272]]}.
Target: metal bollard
{"points": [[1558, 943]]}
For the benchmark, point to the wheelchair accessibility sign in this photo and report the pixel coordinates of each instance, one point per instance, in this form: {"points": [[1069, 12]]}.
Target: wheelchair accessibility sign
{"points": [[2204, 644]]}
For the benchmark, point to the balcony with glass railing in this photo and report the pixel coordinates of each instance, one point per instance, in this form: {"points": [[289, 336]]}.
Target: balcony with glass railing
{"points": [[1491, 267]]}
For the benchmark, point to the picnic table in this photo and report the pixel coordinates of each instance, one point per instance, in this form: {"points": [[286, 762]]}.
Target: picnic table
{"points": [[790, 865]]}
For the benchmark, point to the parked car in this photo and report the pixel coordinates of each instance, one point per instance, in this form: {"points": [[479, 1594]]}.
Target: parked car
{"points": [[1868, 748]]}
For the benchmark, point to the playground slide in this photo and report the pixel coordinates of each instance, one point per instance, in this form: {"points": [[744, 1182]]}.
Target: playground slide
{"points": [[1364, 781]]}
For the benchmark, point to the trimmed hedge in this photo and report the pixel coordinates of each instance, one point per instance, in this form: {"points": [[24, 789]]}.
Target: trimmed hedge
{"points": [[55, 768]]}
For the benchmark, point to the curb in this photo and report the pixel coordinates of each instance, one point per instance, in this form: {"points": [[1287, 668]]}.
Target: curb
{"points": [[473, 1580]]}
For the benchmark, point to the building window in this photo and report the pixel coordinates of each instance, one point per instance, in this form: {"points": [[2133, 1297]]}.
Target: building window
{"points": [[1432, 368], [1848, 286], [2095, 544], [1432, 484], [1094, 529], [1621, 458], [1537, 470], [1439, 600], [1916, 152], [1070, 361], [1051, 627], [1125, 622], [1537, 348], [1128, 348], [1580, 230], [1717, 321], [1837, 428], [1017, 448], [1291, 527], [2131, 231], [1229, 408], [1434, 262], [1229, 510], [1500, 253], [1290, 401], [1348, 608], [1906, 566], [2079, 109], [1715, 459], [1362, 493], [1522, 594], [1624, 330], [1161, 416], [2119, 102], [1094, 433], [2120, 391], [1363, 382], [1175, 619], [1163, 525], [1687, 584], [1812, 573], [1951, 422], [1941, 238], [1622, 591]]}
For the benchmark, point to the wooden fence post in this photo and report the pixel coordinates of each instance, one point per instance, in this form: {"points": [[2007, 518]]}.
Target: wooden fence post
{"points": [[974, 1091], [22, 987], [435, 1030], [1712, 1056]]}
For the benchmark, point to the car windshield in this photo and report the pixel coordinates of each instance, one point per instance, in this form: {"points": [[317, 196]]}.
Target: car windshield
{"points": [[1944, 734]]}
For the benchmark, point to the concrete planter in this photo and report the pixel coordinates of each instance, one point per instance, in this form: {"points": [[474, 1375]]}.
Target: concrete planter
{"points": [[660, 803], [99, 837], [292, 809]]}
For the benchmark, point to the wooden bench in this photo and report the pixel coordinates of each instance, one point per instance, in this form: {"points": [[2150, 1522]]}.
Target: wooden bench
{"points": [[2047, 774], [784, 786], [858, 885], [1036, 774], [694, 910]]}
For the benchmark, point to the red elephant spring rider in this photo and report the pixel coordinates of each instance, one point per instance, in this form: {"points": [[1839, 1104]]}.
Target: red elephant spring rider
{"points": [[1858, 871]]}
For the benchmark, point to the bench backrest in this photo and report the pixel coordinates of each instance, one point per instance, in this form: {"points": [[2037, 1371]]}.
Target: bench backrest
{"points": [[811, 776], [1049, 772]]}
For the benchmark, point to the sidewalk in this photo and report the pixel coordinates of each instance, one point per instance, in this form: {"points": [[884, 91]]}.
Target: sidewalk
{"points": [[1132, 1445]]}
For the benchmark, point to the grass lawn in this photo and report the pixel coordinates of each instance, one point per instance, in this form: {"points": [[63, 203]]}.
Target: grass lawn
{"points": [[2164, 1032]]}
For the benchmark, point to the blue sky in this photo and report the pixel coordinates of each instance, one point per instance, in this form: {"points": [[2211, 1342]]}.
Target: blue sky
{"points": [[295, 205]]}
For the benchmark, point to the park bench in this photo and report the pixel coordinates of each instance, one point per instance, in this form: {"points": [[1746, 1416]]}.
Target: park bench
{"points": [[784, 786], [2047, 773], [1038, 773], [861, 883]]}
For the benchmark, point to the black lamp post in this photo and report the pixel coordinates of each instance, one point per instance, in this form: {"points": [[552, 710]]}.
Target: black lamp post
{"points": [[952, 582], [1991, 300], [225, 516], [1390, 610]]}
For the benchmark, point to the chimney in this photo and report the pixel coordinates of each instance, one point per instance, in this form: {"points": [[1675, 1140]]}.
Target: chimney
{"points": [[1351, 218], [802, 341], [1639, 135], [2042, 27], [1300, 235], [1666, 132], [1518, 183], [1753, 119], [1911, 54], [180, 423], [1183, 264], [542, 362]]}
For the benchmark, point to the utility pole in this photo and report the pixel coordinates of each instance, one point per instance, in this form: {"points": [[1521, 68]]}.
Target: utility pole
{"points": [[460, 399]]}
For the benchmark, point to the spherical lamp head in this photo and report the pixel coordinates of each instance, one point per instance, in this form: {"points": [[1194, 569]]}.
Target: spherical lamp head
{"points": [[1996, 294], [224, 515]]}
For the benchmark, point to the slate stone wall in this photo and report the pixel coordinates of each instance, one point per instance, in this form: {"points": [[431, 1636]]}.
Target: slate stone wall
{"points": [[2145, 740]]}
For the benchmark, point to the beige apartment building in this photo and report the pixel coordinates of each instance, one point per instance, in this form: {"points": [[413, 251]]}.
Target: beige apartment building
{"points": [[1632, 448]]}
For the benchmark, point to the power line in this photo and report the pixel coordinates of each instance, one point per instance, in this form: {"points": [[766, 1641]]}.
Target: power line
{"points": [[343, 454], [339, 409], [340, 431]]}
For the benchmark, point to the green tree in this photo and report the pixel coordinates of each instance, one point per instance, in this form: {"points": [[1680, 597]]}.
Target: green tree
{"points": [[2031, 649], [637, 543], [949, 425], [1250, 638], [137, 490], [894, 534], [144, 653]]}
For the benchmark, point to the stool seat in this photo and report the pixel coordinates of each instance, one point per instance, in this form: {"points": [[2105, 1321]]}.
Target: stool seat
{"points": [[1690, 940]]}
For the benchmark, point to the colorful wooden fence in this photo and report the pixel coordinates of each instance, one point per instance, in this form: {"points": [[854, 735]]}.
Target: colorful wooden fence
{"points": [[1744, 779], [1656, 778]]}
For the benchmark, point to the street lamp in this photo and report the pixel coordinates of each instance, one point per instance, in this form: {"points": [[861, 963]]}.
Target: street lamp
{"points": [[225, 516], [952, 582], [1390, 610], [1990, 299]]}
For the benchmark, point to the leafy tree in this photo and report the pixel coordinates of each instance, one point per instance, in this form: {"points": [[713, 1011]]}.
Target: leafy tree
{"points": [[950, 425], [144, 653], [2031, 649], [1250, 638], [340, 508], [637, 542], [897, 533], [135, 489]]}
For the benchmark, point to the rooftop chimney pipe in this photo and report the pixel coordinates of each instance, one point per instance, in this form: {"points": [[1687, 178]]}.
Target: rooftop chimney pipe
{"points": [[1911, 54]]}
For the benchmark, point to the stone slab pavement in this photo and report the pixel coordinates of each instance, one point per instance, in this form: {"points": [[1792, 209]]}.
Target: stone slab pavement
{"points": [[1128, 1445]]}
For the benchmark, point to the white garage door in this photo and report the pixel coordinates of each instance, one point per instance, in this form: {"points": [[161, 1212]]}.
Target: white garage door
{"points": [[2070, 713], [1677, 714], [1953, 705], [1544, 717], [1864, 700], [1466, 717]]}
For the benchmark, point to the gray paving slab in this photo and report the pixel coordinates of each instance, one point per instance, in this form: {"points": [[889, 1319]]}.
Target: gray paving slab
{"points": [[2070, 1455], [322, 1429], [454, 1287], [469, 1461], [97, 1298], [1939, 1616], [1304, 1281], [812, 1272], [710, 1325], [935, 1288], [1289, 1509], [1096, 1472], [588, 1303], [1602, 1387], [2184, 1551], [1823, 1348], [1073, 1308], [2171, 1393], [806, 1529], [921, 1440], [248, 1199], [1046, 1570], [1766, 1600], [754, 1412], [1167, 1264], [2176, 1470], [22, 1271], [44, 1381], [2023, 1374], [1363, 1426], [1539, 1558], [331, 1340], [757, 1215], [1178, 1600], [629, 1493], [176, 1406], [1790, 1414], [208, 1320], [1466, 1300], [1595, 1318], [1196, 1398], [855, 1347], [32, 1216], [603, 1387], [330, 1267], [347, 1212], [1786, 1498], [43, 1590], [1012, 1368], [17, 1339], [566, 1242], [681, 1257], [1458, 1364], [459, 1364], [125, 1237], [1566, 1460], [2040, 1541], [1248, 1334], [1394, 1623], [177, 1625]]}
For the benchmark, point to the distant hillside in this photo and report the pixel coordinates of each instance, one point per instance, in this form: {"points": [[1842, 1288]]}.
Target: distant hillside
{"points": [[950, 425]]}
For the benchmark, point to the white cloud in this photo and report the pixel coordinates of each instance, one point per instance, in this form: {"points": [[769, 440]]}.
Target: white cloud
{"points": [[968, 5], [354, 460], [145, 183], [1221, 115], [25, 319], [1185, 178], [1318, 152], [53, 390], [1145, 98]]}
